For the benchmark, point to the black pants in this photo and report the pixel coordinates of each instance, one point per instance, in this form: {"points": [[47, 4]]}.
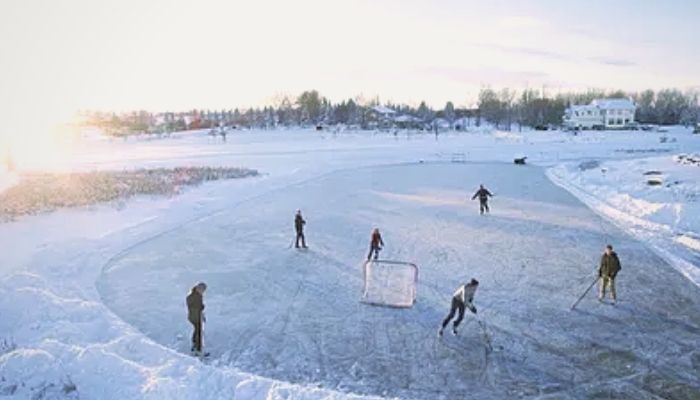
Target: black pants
{"points": [[375, 250], [197, 335], [483, 205], [457, 305], [300, 236]]}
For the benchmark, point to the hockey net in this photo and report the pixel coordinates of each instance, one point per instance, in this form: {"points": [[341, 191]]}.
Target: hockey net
{"points": [[390, 283]]}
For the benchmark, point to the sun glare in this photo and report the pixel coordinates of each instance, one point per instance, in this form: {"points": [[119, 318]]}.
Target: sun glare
{"points": [[42, 144]]}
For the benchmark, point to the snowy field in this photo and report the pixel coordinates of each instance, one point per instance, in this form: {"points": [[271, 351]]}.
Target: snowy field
{"points": [[92, 298]]}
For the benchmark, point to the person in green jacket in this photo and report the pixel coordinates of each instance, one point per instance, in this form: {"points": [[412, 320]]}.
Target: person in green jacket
{"points": [[609, 267]]}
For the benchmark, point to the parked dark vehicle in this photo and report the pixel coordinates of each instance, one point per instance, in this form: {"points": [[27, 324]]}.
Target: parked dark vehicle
{"points": [[541, 127]]}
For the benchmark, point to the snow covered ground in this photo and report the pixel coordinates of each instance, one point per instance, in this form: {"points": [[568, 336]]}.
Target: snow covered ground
{"points": [[657, 199], [92, 298]]}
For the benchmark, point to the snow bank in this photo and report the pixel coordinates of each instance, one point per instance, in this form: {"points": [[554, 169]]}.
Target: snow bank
{"points": [[655, 199]]}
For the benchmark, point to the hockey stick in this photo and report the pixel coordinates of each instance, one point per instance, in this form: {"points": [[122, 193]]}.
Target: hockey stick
{"points": [[203, 354], [487, 337], [585, 293]]}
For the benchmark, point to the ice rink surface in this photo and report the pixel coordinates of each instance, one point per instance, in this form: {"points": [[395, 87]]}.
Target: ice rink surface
{"points": [[295, 315]]}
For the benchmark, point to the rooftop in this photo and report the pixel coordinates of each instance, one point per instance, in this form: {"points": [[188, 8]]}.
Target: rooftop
{"points": [[606, 104]]}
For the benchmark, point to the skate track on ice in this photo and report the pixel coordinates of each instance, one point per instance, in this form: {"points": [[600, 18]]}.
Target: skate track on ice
{"points": [[295, 316]]}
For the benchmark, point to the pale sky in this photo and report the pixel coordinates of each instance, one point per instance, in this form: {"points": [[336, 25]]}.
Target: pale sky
{"points": [[62, 55]]}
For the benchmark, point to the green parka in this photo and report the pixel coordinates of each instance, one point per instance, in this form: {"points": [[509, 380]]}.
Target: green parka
{"points": [[609, 265]]}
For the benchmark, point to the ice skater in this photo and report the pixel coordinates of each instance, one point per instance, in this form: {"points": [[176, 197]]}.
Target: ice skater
{"points": [[375, 245], [299, 223], [195, 314], [462, 298], [609, 267], [483, 194]]}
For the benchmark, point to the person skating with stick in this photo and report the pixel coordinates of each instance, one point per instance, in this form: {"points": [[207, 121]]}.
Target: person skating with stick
{"points": [[195, 314], [375, 244], [299, 223], [463, 298], [609, 267], [483, 194]]}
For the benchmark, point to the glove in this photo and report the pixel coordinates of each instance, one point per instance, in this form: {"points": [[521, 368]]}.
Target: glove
{"points": [[204, 318], [472, 309]]}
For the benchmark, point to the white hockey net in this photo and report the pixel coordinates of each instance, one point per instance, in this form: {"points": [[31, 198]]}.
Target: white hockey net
{"points": [[390, 283]]}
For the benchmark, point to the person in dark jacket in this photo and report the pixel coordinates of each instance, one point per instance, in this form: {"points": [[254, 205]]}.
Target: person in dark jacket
{"points": [[461, 299], [609, 267], [299, 223], [375, 245], [483, 194], [195, 314]]}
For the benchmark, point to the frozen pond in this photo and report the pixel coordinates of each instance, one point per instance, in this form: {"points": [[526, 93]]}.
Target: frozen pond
{"points": [[295, 316]]}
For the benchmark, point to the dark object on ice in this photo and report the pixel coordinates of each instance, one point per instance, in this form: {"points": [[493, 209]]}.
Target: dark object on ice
{"points": [[519, 161], [319, 127], [375, 245], [461, 299], [483, 194], [688, 159], [299, 223], [652, 173], [195, 314], [654, 182], [590, 164]]}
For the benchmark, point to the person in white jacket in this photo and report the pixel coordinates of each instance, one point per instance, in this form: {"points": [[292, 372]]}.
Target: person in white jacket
{"points": [[462, 298]]}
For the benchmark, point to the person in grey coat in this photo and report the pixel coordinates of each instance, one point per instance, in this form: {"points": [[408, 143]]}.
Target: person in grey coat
{"points": [[462, 298]]}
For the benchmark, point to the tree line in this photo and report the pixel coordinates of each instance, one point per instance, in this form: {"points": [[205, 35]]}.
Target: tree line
{"points": [[505, 108]]}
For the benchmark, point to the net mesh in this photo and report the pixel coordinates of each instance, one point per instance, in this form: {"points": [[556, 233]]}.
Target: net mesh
{"points": [[390, 283]]}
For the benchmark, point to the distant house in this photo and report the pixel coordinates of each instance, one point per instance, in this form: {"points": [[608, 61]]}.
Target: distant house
{"points": [[406, 121], [381, 117], [601, 113], [385, 112], [441, 123]]}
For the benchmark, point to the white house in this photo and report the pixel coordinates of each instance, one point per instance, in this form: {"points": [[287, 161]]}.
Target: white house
{"points": [[601, 113], [385, 112]]}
